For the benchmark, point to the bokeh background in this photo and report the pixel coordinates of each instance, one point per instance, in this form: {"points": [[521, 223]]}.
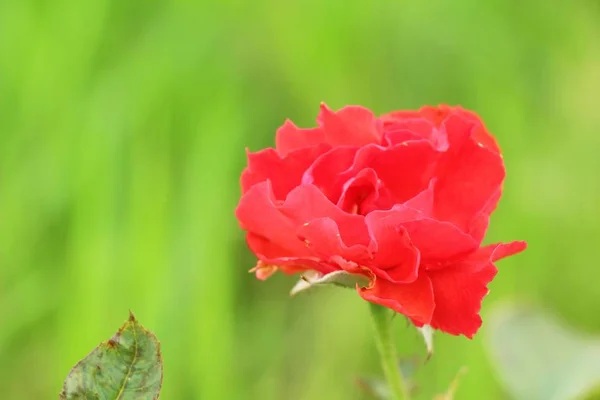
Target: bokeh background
{"points": [[123, 128]]}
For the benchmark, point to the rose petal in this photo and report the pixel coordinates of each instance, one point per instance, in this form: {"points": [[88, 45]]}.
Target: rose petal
{"points": [[285, 173], [422, 202], [289, 137], [365, 193], [458, 297], [460, 289], [400, 116], [437, 115], [272, 225], [497, 251], [457, 130], [428, 122], [323, 237], [480, 133], [479, 224], [393, 136], [351, 125], [325, 171], [425, 118], [401, 126], [466, 184], [397, 122], [265, 249], [414, 300], [436, 240], [272, 257], [260, 213], [395, 258], [306, 203], [404, 169]]}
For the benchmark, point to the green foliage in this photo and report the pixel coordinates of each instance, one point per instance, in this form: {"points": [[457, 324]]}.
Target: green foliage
{"points": [[539, 358], [126, 367]]}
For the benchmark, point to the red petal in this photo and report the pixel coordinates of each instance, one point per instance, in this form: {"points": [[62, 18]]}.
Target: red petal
{"points": [[405, 169], [307, 203], [401, 126], [415, 300], [436, 240], [498, 251], [479, 224], [265, 249], [457, 130], [323, 237], [272, 225], [395, 123], [424, 119], [395, 136], [351, 125], [400, 116], [289, 137], [259, 212], [324, 173], [423, 201], [395, 259], [460, 289], [458, 297], [284, 173], [365, 193], [444, 116], [273, 257], [466, 184], [480, 134], [436, 115]]}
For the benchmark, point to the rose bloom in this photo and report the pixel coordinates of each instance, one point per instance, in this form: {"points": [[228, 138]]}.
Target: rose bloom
{"points": [[403, 199]]}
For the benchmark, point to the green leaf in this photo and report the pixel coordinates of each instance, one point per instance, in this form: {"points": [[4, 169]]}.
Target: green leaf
{"points": [[313, 279], [539, 358], [126, 367]]}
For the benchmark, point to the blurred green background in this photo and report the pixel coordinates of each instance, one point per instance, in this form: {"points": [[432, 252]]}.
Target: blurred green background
{"points": [[123, 126]]}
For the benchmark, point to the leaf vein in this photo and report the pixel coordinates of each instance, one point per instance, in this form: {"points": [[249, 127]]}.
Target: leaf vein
{"points": [[133, 361]]}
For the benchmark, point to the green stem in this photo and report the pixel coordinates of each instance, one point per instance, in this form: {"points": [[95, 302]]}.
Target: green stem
{"points": [[382, 318]]}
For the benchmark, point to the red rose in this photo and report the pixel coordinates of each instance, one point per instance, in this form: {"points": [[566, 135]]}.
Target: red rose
{"points": [[403, 199]]}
